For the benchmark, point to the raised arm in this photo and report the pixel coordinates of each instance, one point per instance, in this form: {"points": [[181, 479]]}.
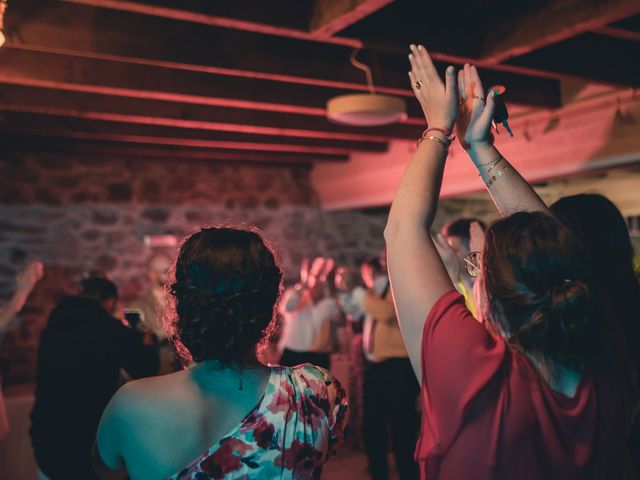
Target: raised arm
{"points": [[25, 281], [510, 192], [418, 276]]}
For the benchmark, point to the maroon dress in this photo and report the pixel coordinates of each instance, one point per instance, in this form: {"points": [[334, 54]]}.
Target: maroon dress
{"points": [[488, 414]]}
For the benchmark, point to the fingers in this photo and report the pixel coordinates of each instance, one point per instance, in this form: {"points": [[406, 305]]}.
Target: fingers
{"points": [[451, 81], [413, 80], [468, 92], [478, 91], [422, 64], [462, 84], [484, 120]]}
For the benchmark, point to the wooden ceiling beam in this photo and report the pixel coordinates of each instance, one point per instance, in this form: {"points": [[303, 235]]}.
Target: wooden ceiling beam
{"points": [[331, 16], [550, 23], [72, 73], [104, 34], [609, 59], [619, 33], [15, 98], [12, 122], [210, 14], [24, 143]]}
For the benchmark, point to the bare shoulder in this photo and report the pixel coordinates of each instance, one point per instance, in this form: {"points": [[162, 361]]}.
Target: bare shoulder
{"points": [[149, 396]]}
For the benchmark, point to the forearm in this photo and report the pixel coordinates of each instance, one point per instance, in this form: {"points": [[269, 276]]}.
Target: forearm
{"points": [[416, 199], [13, 307], [510, 192]]}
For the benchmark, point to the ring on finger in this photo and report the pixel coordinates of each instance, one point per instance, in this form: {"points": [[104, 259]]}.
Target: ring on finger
{"points": [[418, 84], [475, 97]]}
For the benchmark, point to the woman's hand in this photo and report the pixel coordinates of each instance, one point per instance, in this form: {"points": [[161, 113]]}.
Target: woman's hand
{"points": [[476, 111], [439, 100]]}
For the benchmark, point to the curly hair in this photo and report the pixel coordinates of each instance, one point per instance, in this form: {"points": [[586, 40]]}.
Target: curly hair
{"points": [[535, 289], [226, 287]]}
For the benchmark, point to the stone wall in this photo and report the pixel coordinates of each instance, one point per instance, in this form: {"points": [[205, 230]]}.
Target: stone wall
{"points": [[83, 214]]}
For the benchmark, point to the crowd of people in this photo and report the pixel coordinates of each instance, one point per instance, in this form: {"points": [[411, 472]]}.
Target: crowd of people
{"points": [[507, 350]]}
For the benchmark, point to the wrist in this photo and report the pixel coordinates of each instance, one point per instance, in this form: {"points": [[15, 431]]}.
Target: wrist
{"points": [[478, 149]]}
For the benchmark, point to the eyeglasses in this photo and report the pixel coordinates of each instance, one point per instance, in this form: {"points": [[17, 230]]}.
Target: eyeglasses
{"points": [[472, 264]]}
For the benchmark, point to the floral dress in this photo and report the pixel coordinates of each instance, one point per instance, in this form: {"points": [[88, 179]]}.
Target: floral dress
{"points": [[288, 435]]}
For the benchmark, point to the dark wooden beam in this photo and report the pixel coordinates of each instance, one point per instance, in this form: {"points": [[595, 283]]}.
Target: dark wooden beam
{"points": [[15, 98], [161, 135], [112, 35], [21, 143], [619, 33], [332, 16], [550, 23], [247, 15], [67, 72], [609, 59]]}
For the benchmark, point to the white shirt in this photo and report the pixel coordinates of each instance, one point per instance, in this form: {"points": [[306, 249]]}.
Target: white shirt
{"points": [[304, 326]]}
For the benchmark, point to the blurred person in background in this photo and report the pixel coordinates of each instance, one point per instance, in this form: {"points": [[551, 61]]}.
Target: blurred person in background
{"points": [[603, 232], [390, 388], [351, 300], [82, 349], [309, 309], [458, 237], [24, 283], [151, 307]]}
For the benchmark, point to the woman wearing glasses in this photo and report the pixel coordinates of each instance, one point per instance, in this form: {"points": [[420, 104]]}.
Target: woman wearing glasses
{"points": [[533, 391]]}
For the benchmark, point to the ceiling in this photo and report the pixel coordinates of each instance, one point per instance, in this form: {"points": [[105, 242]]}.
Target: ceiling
{"points": [[244, 80]]}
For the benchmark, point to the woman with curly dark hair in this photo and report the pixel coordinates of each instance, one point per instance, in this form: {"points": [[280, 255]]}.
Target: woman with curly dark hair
{"points": [[250, 420]]}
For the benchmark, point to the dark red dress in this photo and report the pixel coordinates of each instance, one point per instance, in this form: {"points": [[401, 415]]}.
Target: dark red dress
{"points": [[488, 414]]}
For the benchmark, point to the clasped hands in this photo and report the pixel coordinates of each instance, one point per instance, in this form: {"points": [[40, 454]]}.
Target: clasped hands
{"points": [[457, 101]]}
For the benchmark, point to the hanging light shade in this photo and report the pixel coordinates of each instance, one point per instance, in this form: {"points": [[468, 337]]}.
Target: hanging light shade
{"points": [[366, 109], [3, 8]]}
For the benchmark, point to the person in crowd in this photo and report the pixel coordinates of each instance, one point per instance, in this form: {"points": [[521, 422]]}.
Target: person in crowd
{"points": [[152, 305], [309, 309], [457, 235], [534, 391], [351, 300], [250, 420], [24, 283], [390, 389], [603, 232], [82, 349]]}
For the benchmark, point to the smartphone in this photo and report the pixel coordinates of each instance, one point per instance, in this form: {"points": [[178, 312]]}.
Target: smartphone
{"points": [[133, 316]]}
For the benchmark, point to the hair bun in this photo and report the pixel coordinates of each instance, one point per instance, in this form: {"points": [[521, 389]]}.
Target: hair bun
{"points": [[569, 303]]}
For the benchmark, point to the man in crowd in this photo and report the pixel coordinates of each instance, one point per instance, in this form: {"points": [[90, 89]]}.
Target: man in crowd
{"points": [[24, 284], [390, 386], [82, 350], [459, 235], [152, 305]]}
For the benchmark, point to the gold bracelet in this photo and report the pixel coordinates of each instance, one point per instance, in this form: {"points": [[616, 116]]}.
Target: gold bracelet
{"points": [[444, 144]]}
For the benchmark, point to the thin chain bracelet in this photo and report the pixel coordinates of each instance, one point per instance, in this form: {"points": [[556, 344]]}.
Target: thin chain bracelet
{"points": [[495, 177], [440, 141], [494, 161]]}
